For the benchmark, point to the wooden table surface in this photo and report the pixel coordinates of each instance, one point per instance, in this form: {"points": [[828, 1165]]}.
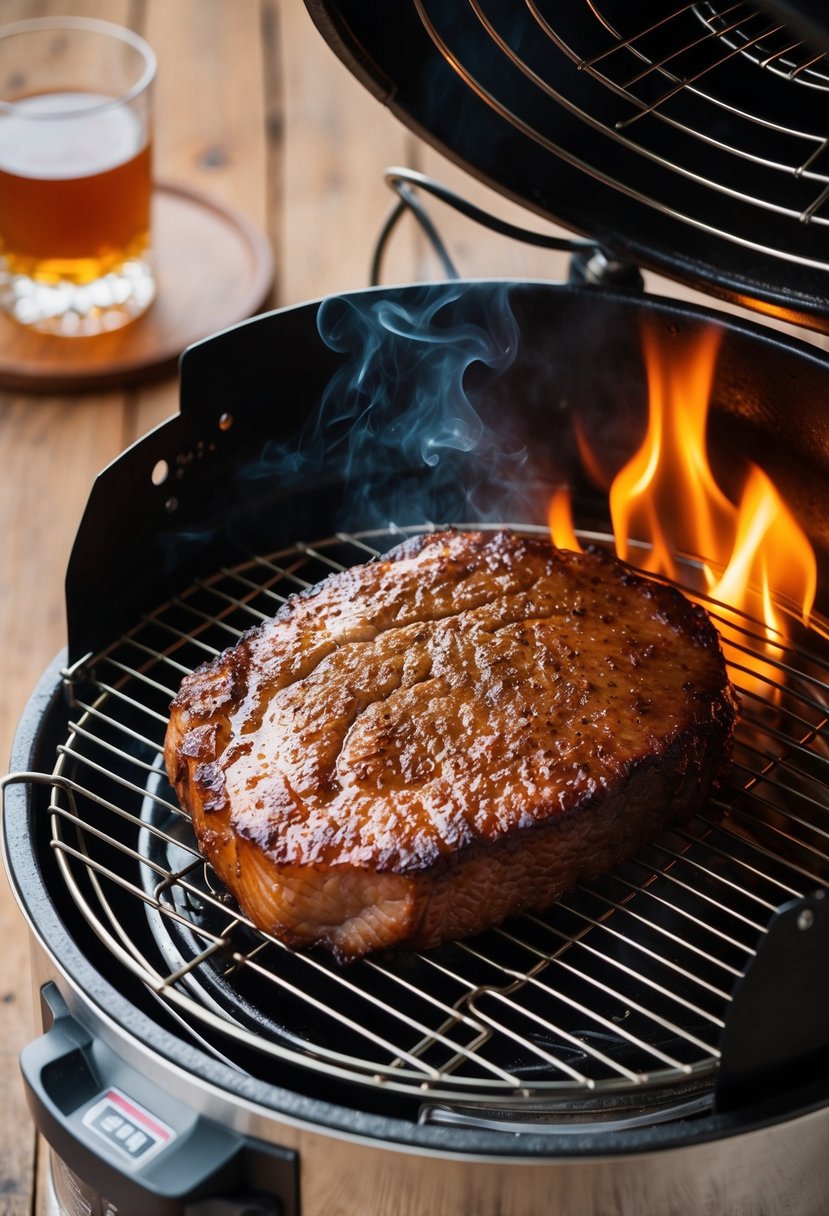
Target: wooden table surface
{"points": [[254, 109]]}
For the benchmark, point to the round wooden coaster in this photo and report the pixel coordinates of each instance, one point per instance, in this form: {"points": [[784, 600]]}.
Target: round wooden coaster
{"points": [[213, 268]]}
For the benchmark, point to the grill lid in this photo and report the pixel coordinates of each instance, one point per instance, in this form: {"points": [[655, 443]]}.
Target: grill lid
{"points": [[691, 138]]}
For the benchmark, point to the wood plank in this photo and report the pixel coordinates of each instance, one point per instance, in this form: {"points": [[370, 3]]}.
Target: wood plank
{"points": [[51, 450], [338, 140], [302, 153], [117, 11], [209, 101], [210, 136]]}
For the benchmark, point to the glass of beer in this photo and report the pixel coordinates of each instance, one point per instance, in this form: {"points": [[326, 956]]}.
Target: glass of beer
{"points": [[75, 175]]}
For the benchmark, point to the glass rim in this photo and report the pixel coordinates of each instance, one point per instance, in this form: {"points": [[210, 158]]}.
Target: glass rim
{"points": [[92, 25]]}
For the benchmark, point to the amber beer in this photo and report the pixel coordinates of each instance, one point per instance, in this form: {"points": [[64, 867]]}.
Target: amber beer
{"points": [[74, 199], [75, 175]]}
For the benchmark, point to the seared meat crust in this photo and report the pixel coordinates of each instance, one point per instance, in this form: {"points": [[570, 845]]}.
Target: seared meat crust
{"points": [[418, 747]]}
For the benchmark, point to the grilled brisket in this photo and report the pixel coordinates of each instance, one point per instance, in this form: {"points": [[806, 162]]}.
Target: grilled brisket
{"points": [[419, 747]]}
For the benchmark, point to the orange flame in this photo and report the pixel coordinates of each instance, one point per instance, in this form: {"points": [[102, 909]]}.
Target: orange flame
{"points": [[560, 521], [752, 554], [666, 494]]}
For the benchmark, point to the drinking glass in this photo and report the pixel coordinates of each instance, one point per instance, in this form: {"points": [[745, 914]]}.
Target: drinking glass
{"points": [[75, 175]]}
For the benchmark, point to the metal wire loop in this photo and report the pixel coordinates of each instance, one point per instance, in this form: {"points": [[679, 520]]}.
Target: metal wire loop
{"points": [[402, 182]]}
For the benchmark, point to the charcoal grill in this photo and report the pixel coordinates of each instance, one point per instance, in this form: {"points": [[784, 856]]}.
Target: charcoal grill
{"points": [[654, 1043]]}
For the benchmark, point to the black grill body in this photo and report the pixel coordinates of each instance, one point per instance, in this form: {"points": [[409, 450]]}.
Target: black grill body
{"points": [[241, 483]]}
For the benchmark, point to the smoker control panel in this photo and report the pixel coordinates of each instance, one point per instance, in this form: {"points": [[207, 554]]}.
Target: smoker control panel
{"points": [[128, 1128], [129, 1148]]}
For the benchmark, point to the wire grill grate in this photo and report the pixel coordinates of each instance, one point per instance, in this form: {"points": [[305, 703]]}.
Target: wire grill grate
{"points": [[766, 44], [622, 987], [663, 103]]}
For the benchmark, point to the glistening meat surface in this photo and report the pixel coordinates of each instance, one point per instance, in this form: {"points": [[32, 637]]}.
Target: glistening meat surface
{"points": [[421, 746]]}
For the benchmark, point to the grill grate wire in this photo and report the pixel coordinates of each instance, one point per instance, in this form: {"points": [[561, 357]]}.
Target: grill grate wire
{"points": [[621, 988], [696, 91], [773, 48]]}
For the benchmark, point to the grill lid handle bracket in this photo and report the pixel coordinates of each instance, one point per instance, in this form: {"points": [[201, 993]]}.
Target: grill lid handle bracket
{"points": [[590, 263], [776, 1035]]}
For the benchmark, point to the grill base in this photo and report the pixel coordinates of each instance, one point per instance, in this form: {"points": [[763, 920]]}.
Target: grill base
{"points": [[766, 1168]]}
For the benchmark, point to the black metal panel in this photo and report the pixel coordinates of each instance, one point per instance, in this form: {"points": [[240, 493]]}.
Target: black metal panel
{"points": [[181, 494], [247, 394], [788, 981]]}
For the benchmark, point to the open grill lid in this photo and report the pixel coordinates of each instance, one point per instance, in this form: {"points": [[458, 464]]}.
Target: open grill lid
{"points": [[690, 138]]}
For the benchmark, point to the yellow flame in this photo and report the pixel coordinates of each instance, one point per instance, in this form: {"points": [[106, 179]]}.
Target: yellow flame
{"points": [[560, 520], [666, 495], [770, 552], [752, 554]]}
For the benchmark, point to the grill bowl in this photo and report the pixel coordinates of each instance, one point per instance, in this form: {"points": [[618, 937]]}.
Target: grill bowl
{"points": [[140, 936]]}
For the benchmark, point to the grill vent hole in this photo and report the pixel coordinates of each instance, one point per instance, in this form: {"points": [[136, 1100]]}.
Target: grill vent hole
{"points": [[160, 473]]}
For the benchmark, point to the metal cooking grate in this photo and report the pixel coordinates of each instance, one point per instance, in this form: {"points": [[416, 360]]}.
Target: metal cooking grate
{"points": [[649, 97], [769, 45], [622, 986]]}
